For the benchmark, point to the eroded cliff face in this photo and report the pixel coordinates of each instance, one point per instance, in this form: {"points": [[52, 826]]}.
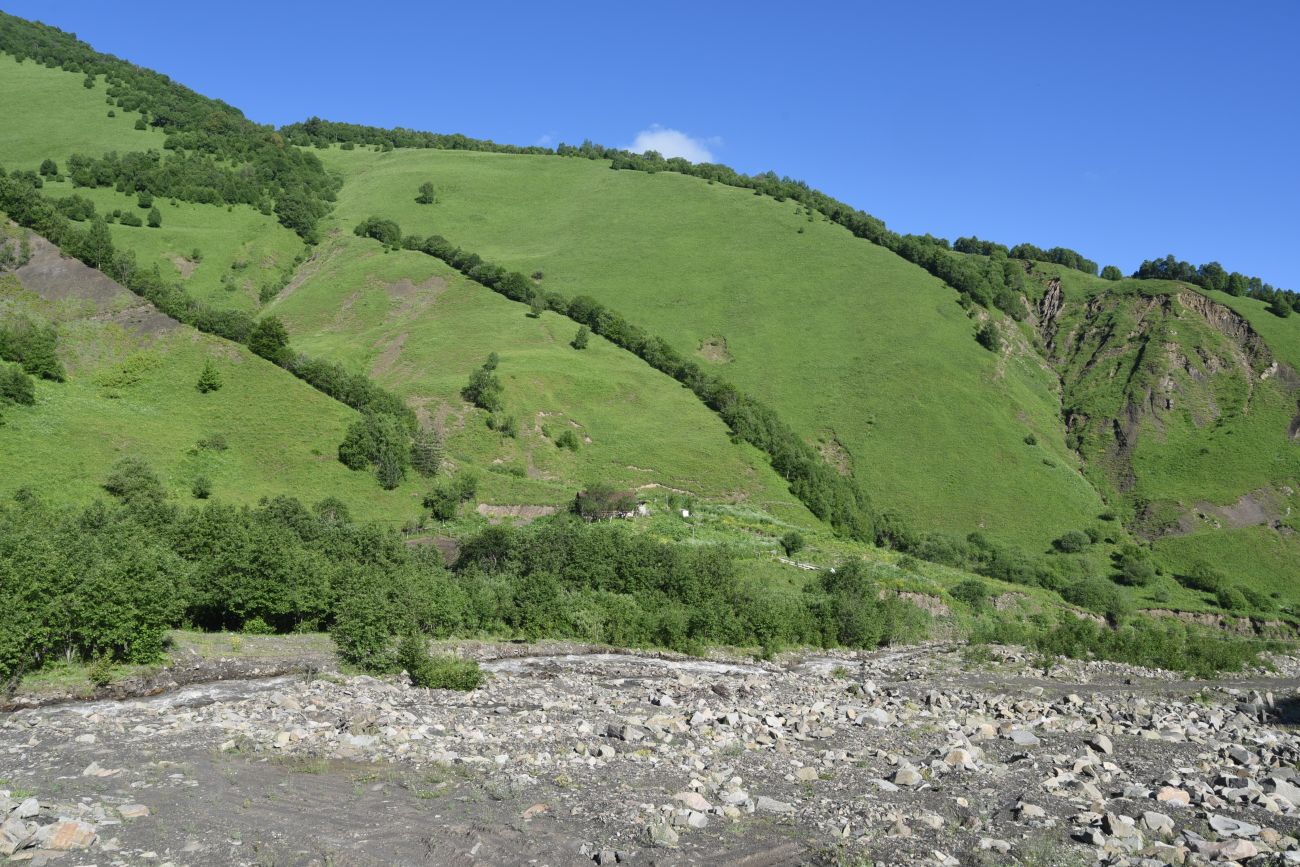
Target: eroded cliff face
{"points": [[1135, 366]]}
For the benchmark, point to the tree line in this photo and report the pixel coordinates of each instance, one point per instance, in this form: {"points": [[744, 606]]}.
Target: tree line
{"points": [[315, 132], [1212, 275], [106, 581], [834, 498]]}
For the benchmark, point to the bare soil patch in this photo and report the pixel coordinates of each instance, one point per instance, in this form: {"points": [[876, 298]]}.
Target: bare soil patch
{"points": [[715, 349]]}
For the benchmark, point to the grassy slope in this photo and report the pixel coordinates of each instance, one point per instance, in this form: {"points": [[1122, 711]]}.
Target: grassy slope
{"points": [[420, 328], [250, 247], [644, 428], [49, 113], [282, 434], [846, 339]]}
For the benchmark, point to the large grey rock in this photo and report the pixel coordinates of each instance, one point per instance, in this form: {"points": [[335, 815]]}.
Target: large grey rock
{"points": [[771, 805]]}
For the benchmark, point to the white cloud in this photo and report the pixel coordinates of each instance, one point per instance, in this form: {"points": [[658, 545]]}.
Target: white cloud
{"points": [[674, 143]]}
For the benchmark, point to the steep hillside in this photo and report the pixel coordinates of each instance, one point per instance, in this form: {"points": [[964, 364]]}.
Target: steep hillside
{"points": [[1184, 414], [420, 328], [408, 322], [51, 115], [130, 392], [1105, 412], [861, 351]]}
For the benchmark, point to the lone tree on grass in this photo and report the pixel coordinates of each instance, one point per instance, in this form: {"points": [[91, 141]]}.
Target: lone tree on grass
{"points": [[209, 378], [428, 195], [426, 452], [580, 339]]}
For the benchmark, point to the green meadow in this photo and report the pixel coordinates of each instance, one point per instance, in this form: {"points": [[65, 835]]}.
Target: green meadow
{"points": [[419, 328], [132, 395], [50, 114], [858, 349]]}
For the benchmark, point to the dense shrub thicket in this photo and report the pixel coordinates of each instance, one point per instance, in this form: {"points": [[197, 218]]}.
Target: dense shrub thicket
{"points": [[834, 498], [32, 345], [1161, 642], [107, 580], [216, 155]]}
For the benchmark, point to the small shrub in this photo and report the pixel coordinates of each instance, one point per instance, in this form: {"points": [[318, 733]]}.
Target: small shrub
{"points": [[989, 337], [257, 626], [361, 630], [440, 671], [1097, 595], [131, 479], [792, 543], [1231, 599], [213, 442], [580, 339], [1259, 601], [445, 498], [1031, 440], [201, 488], [1203, 577], [567, 440], [1134, 567], [1072, 542], [101, 670], [973, 592]]}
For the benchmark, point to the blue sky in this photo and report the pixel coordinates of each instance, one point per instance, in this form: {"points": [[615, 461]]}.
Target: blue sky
{"points": [[1125, 130]]}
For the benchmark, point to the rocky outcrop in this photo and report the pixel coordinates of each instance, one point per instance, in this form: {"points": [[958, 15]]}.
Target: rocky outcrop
{"points": [[1134, 366]]}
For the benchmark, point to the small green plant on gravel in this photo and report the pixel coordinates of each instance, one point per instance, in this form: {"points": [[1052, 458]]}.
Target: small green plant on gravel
{"points": [[440, 671], [101, 670]]}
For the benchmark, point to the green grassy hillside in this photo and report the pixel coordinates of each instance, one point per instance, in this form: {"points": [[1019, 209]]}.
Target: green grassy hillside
{"points": [[1135, 397], [51, 114], [420, 328], [131, 392], [855, 347], [384, 315]]}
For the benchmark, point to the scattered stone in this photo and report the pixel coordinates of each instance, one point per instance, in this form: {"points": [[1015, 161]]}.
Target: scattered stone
{"points": [[771, 805], [67, 836], [1173, 797]]}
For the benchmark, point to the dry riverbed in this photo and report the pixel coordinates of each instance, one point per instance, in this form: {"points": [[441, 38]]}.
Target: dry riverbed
{"points": [[570, 756]]}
